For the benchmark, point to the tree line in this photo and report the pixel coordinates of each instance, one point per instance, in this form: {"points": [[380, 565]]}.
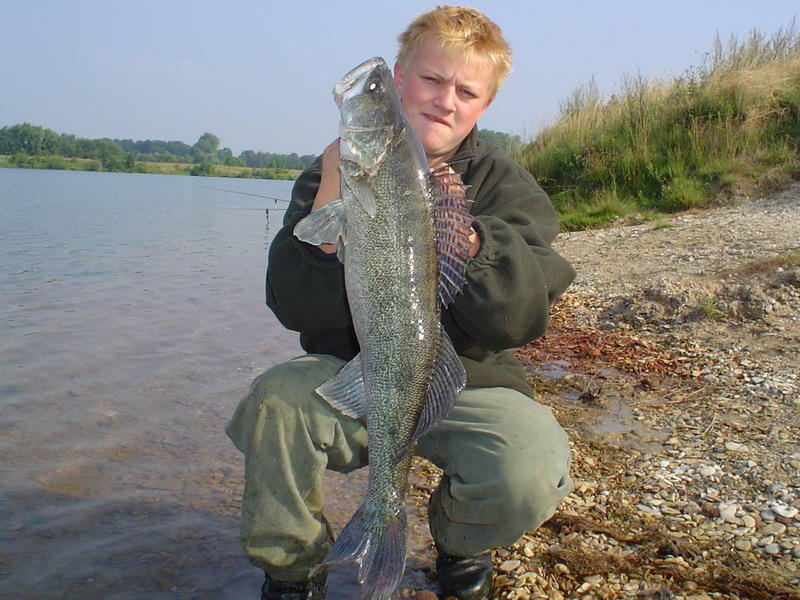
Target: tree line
{"points": [[26, 140], [121, 154]]}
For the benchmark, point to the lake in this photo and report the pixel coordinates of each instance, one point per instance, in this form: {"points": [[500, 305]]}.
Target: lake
{"points": [[133, 320]]}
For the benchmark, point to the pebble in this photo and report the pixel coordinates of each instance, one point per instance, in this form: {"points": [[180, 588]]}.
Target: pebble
{"points": [[766, 541], [510, 565], [648, 509], [727, 513], [773, 529], [692, 508], [735, 447], [788, 512], [772, 549]]}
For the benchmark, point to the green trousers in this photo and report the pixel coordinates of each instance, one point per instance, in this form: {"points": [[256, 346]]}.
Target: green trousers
{"points": [[504, 456]]}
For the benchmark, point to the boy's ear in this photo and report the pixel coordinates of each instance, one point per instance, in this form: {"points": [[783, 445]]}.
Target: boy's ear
{"points": [[398, 75]]}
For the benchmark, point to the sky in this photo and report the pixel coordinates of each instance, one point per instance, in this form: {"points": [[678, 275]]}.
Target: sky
{"points": [[259, 74]]}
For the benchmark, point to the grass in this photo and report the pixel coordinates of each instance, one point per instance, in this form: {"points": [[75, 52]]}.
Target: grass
{"points": [[659, 222], [156, 168], [709, 309], [786, 261], [726, 128]]}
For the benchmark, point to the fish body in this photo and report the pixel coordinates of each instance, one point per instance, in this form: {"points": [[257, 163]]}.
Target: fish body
{"points": [[403, 242]]}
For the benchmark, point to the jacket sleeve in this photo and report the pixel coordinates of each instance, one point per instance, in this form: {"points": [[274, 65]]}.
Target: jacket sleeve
{"points": [[304, 286], [516, 275]]}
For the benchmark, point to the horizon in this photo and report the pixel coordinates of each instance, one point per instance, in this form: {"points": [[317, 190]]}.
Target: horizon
{"points": [[173, 72]]}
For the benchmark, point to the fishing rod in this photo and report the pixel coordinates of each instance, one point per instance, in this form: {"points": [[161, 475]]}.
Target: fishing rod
{"points": [[208, 187]]}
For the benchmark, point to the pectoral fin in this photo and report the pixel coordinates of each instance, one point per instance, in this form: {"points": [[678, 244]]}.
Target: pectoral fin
{"points": [[356, 183], [345, 390], [323, 226]]}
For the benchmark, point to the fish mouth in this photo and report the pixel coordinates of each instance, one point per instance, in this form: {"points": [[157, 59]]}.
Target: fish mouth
{"points": [[353, 77]]}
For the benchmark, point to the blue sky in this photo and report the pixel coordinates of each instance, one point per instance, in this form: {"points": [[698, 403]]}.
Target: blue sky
{"points": [[259, 73]]}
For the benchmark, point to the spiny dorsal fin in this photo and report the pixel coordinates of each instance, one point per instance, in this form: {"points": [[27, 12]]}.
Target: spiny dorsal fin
{"points": [[453, 227]]}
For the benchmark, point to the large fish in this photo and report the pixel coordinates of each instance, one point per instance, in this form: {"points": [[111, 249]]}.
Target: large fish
{"points": [[403, 238]]}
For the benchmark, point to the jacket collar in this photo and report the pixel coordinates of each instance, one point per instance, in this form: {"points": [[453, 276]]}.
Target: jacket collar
{"points": [[466, 152]]}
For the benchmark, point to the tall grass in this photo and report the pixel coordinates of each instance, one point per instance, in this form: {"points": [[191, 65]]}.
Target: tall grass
{"points": [[728, 126]]}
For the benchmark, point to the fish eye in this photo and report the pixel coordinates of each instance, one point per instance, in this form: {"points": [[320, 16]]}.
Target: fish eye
{"points": [[373, 86]]}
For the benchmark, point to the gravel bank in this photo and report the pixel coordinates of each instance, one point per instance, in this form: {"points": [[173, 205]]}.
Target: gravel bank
{"points": [[673, 363]]}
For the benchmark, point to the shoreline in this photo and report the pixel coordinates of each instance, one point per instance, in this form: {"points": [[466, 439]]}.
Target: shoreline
{"points": [[61, 163]]}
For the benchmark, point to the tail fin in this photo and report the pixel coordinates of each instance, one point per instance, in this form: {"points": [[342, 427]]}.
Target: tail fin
{"points": [[379, 553]]}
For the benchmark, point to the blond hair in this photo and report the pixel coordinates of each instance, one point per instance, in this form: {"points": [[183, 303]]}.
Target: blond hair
{"points": [[463, 30]]}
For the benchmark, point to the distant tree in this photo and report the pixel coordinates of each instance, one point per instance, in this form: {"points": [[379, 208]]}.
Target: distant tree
{"points": [[28, 139], [269, 160], [307, 160], [224, 154], [510, 143], [205, 148]]}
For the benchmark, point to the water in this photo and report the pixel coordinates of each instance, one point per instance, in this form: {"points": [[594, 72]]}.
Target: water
{"points": [[132, 321]]}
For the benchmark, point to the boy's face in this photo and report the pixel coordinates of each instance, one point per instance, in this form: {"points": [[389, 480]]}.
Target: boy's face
{"points": [[443, 97]]}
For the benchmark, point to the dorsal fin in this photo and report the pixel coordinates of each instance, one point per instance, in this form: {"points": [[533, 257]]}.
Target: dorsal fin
{"points": [[453, 227]]}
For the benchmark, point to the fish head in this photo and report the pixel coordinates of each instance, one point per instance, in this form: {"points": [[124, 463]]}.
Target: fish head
{"points": [[367, 96], [371, 114]]}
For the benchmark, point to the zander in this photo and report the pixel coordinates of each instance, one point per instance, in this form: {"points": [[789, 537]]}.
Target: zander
{"points": [[403, 238]]}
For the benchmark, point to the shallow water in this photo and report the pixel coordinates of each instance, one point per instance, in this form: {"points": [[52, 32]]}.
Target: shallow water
{"points": [[132, 321]]}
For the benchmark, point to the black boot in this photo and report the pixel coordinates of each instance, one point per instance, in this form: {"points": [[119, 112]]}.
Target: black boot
{"points": [[307, 589], [465, 578]]}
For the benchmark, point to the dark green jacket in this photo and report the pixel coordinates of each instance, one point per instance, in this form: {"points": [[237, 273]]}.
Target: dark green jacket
{"points": [[510, 285]]}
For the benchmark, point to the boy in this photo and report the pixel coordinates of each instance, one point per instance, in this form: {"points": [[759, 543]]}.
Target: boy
{"points": [[505, 458]]}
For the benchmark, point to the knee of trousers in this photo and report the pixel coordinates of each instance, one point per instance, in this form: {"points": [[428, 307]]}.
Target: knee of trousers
{"points": [[511, 483], [281, 394]]}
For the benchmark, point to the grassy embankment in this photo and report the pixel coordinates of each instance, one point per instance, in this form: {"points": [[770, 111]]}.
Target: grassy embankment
{"points": [[157, 168], [728, 128]]}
